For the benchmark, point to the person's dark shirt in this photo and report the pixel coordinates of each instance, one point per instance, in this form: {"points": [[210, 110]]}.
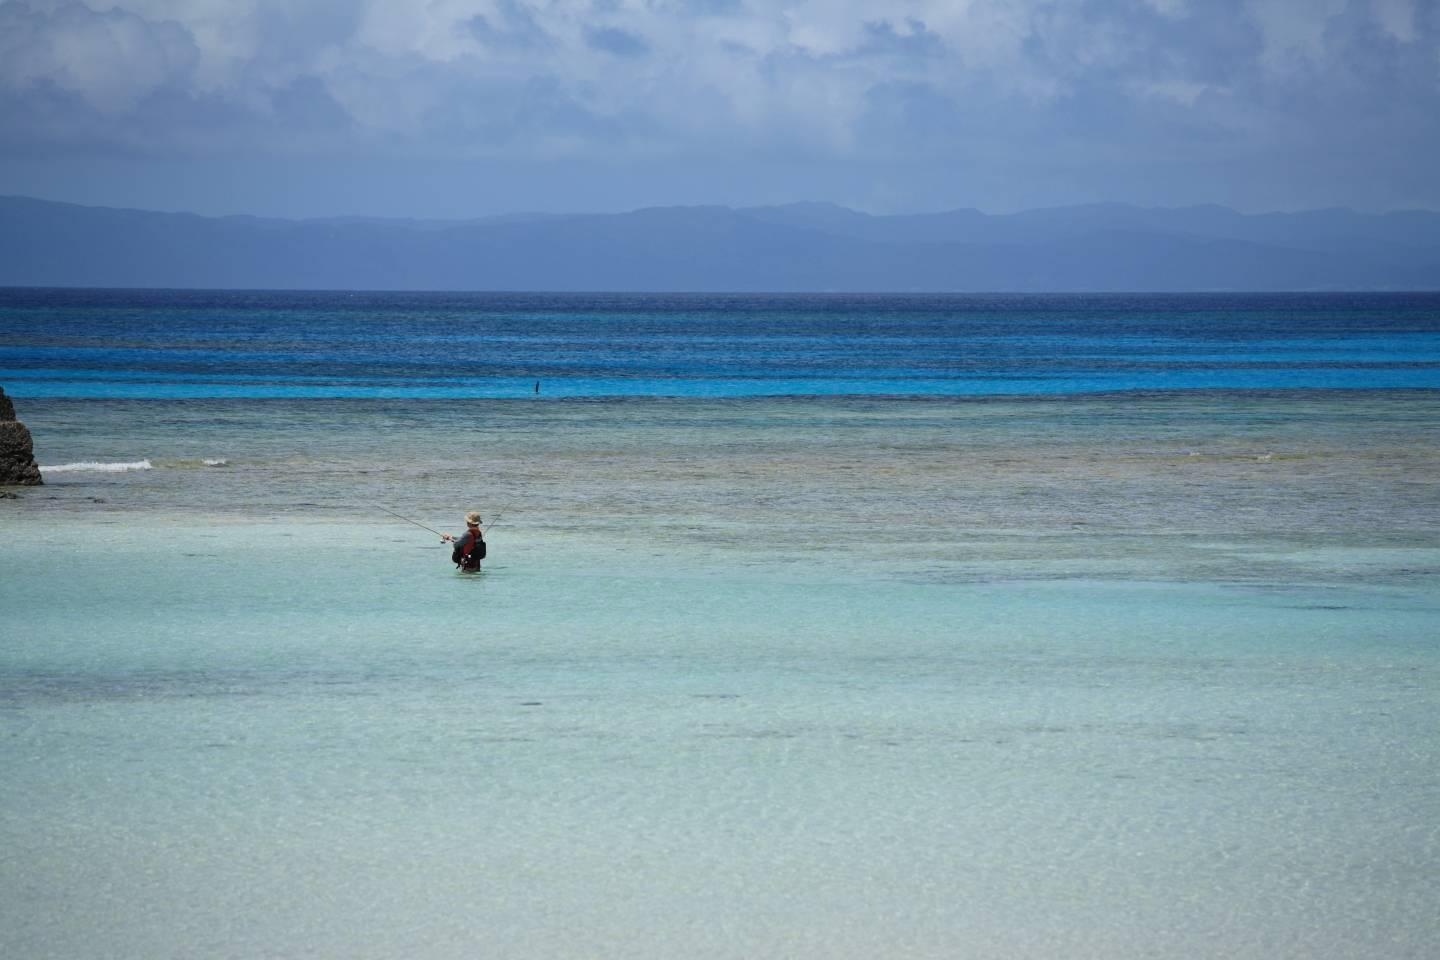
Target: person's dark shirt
{"points": [[463, 541]]}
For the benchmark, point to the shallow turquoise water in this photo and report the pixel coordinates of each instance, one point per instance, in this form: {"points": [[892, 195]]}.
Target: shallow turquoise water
{"points": [[600, 754], [1101, 677]]}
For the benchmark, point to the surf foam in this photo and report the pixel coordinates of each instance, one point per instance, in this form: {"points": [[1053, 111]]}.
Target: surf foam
{"points": [[97, 466]]}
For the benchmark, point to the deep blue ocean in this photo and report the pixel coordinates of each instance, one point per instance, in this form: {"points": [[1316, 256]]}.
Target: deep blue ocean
{"points": [[142, 343]]}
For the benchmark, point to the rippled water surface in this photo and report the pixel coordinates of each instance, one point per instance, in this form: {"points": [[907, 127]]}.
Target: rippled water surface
{"points": [[1050, 674], [136, 343]]}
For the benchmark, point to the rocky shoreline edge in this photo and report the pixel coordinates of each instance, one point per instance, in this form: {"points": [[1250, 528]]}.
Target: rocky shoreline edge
{"points": [[17, 450]]}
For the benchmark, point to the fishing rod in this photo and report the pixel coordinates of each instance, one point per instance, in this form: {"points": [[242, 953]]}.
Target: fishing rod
{"points": [[408, 520], [487, 529]]}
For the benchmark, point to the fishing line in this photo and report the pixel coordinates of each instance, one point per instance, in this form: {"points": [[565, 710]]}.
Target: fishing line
{"points": [[408, 520], [491, 525], [488, 527]]}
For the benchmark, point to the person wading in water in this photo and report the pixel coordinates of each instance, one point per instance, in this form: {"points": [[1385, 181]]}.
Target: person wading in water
{"points": [[469, 546]]}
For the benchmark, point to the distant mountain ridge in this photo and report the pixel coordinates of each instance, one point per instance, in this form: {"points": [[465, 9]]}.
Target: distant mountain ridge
{"points": [[801, 247]]}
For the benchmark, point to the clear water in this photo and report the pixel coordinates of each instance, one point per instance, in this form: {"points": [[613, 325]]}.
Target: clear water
{"points": [[1047, 674]]}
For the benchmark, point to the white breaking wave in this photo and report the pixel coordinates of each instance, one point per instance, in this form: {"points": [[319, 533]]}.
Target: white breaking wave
{"points": [[218, 462], [96, 466]]}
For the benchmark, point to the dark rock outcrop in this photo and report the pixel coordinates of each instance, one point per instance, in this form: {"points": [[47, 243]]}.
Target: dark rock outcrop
{"points": [[17, 453]]}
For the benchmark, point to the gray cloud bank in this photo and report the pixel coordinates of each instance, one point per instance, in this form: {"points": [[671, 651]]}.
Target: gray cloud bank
{"points": [[914, 104]]}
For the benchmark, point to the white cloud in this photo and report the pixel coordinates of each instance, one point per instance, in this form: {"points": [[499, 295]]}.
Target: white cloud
{"points": [[1169, 8], [1397, 18], [111, 60], [1293, 32], [671, 77]]}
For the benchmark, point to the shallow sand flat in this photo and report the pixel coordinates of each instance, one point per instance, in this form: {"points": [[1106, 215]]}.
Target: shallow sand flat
{"points": [[1207, 486]]}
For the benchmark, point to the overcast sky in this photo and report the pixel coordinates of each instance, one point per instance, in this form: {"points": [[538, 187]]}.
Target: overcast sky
{"points": [[459, 108]]}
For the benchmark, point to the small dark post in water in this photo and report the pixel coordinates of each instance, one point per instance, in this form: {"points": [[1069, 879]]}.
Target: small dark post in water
{"points": [[537, 386]]}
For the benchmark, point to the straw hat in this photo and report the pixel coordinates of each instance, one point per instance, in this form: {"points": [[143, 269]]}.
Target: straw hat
{"points": [[473, 518]]}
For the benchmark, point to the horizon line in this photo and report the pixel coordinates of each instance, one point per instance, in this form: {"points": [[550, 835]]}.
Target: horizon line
{"points": [[832, 204], [775, 294]]}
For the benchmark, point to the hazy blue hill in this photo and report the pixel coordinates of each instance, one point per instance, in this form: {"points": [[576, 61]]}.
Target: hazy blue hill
{"points": [[953, 226], [796, 247], [1408, 233]]}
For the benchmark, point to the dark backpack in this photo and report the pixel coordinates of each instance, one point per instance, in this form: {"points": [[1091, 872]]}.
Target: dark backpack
{"points": [[468, 557]]}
